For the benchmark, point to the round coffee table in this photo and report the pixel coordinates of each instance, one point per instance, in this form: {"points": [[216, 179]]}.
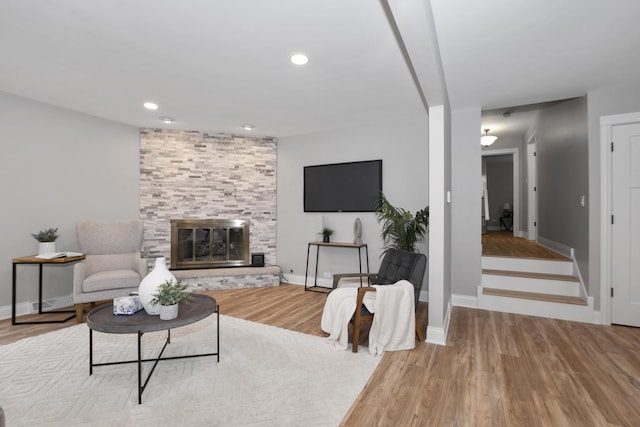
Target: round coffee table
{"points": [[196, 308]]}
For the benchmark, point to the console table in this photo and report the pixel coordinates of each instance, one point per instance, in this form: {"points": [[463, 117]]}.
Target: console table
{"points": [[40, 262], [359, 247], [102, 319]]}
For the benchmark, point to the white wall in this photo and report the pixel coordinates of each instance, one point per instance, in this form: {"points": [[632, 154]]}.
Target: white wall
{"points": [[58, 167], [466, 214], [403, 147]]}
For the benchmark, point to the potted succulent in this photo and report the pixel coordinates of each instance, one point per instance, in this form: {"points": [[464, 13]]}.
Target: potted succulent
{"points": [[326, 234], [400, 228], [168, 295], [47, 239]]}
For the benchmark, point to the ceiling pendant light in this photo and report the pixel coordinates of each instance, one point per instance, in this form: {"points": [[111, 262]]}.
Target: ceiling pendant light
{"points": [[486, 139]]}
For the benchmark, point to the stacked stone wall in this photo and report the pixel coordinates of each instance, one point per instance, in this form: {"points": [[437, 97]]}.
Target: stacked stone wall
{"points": [[186, 174]]}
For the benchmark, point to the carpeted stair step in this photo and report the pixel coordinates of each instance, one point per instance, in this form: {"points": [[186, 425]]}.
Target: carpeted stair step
{"points": [[563, 299]]}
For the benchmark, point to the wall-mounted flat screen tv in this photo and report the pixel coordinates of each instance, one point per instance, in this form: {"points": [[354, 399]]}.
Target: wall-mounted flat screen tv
{"points": [[343, 187]]}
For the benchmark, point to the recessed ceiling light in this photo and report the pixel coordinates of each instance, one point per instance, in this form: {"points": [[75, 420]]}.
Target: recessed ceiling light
{"points": [[167, 120], [248, 126], [150, 106], [299, 59]]}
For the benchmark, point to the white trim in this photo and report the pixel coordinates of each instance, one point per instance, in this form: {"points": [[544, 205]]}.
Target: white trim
{"points": [[576, 271], [515, 152], [21, 309], [556, 247], [464, 301], [31, 307], [606, 124], [439, 335], [532, 196], [551, 310]]}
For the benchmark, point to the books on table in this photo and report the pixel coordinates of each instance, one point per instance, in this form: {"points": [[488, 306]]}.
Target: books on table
{"points": [[53, 255]]}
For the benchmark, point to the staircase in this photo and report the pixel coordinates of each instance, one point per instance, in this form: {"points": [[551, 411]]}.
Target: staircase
{"points": [[536, 287]]}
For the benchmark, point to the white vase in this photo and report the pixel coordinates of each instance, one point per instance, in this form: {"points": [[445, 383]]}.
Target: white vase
{"points": [[150, 283], [168, 312], [44, 247]]}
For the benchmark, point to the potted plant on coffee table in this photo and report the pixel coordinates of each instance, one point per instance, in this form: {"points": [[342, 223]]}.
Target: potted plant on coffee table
{"points": [[168, 295]]}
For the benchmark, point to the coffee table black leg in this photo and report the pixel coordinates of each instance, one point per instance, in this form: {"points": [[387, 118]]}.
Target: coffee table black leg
{"points": [[139, 368], [90, 351], [13, 296], [218, 332]]}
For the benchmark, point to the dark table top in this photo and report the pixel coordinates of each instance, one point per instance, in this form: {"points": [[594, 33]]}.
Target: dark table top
{"points": [[196, 308]]}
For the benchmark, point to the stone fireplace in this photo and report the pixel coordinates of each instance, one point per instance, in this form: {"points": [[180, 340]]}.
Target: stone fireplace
{"points": [[209, 243], [192, 175]]}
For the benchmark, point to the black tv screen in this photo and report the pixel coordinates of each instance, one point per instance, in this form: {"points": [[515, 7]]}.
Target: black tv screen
{"points": [[343, 187]]}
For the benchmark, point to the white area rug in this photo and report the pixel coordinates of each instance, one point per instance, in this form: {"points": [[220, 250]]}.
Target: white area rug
{"points": [[266, 376]]}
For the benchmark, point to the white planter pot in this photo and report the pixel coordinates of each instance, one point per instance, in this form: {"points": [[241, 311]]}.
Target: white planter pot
{"points": [[150, 283], [168, 312], [44, 247]]}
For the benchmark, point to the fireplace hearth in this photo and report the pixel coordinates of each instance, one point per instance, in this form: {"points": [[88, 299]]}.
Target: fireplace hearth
{"points": [[209, 243]]}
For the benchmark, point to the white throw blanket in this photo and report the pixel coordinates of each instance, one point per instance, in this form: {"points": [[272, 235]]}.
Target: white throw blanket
{"points": [[393, 324], [338, 310]]}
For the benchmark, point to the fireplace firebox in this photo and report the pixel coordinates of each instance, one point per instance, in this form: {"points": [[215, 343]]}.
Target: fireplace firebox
{"points": [[209, 243]]}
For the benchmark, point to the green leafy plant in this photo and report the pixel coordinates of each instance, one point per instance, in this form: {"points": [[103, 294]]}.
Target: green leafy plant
{"points": [[46, 235], [400, 228], [327, 232], [170, 293]]}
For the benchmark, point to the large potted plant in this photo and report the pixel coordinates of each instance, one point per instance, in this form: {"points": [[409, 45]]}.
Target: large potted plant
{"points": [[167, 296], [400, 228], [47, 240]]}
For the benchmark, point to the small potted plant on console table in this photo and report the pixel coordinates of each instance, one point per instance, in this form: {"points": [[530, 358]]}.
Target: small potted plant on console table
{"points": [[326, 234], [168, 295]]}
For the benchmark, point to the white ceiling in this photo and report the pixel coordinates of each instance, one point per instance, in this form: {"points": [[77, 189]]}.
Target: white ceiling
{"points": [[215, 65]]}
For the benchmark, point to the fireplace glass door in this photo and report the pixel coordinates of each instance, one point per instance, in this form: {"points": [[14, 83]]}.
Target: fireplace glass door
{"points": [[209, 243]]}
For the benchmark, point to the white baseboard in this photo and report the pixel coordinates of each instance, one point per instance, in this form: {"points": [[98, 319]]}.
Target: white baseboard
{"points": [[464, 301], [31, 307], [439, 335], [556, 247]]}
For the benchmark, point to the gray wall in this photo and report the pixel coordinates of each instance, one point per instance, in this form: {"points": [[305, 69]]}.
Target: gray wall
{"points": [[563, 177], [403, 147], [499, 170], [466, 244], [516, 142], [58, 167], [602, 102]]}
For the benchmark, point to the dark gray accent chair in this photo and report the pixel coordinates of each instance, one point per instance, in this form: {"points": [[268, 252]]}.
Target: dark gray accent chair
{"points": [[396, 265]]}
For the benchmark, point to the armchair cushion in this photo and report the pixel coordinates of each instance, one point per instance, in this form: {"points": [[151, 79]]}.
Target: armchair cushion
{"points": [[113, 266], [113, 279]]}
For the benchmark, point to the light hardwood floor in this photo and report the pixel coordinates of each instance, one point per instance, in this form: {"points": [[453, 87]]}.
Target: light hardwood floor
{"points": [[497, 369], [504, 244]]}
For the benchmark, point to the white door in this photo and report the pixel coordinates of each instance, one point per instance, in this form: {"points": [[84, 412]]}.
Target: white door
{"points": [[532, 192], [625, 229]]}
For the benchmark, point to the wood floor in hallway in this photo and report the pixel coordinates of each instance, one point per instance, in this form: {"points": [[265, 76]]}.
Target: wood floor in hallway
{"points": [[498, 369], [504, 244]]}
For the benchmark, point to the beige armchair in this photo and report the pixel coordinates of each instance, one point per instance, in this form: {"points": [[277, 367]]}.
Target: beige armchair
{"points": [[113, 266]]}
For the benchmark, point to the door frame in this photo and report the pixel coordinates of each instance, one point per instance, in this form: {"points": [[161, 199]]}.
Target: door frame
{"points": [[606, 139], [532, 196], [515, 153]]}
